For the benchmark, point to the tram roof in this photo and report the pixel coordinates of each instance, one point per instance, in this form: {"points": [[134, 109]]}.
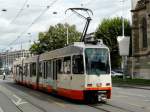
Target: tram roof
{"points": [[74, 49]]}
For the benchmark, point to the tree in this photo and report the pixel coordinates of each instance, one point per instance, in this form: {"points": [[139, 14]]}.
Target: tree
{"points": [[108, 31], [55, 38]]}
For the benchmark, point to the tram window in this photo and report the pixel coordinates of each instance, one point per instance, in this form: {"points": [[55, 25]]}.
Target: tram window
{"points": [[16, 70], [20, 70], [67, 65], [25, 69], [45, 71], [59, 66], [40, 69], [33, 69], [49, 69], [77, 64], [28, 72]]}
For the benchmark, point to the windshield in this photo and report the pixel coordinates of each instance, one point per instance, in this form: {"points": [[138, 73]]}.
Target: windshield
{"points": [[97, 61]]}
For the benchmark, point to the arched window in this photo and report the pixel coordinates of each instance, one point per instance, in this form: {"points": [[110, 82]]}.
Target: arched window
{"points": [[144, 33]]}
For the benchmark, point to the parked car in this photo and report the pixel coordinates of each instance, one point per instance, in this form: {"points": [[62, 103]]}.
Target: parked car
{"points": [[116, 74]]}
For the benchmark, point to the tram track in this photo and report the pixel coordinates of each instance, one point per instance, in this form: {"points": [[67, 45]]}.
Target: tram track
{"points": [[120, 108], [110, 108], [99, 108]]}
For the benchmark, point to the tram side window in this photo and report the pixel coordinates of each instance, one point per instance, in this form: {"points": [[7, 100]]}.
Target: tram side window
{"points": [[28, 69], [59, 66], [25, 69], [40, 69], [67, 65], [33, 69], [49, 69], [20, 70], [77, 64], [45, 69], [16, 70], [18, 73]]}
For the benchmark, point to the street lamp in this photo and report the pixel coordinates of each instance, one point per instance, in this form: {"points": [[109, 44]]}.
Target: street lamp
{"points": [[123, 42], [4, 10]]}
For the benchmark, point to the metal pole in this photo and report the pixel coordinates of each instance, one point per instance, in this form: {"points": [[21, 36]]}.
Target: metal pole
{"points": [[123, 18], [123, 57], [67, 36]]}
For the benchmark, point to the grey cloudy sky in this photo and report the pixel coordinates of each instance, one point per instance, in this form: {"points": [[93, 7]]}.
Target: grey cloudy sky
{"points": [[13, 27]]}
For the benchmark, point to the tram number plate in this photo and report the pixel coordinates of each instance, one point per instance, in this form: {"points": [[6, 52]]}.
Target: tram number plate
{"points": [[102, 91]]}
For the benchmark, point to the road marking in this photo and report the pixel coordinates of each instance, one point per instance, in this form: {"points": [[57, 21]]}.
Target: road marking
{"points": [[1, 110], [146, 108], [134, 105], [130, 94], [19, 101], [120, 96], [60, 104]]}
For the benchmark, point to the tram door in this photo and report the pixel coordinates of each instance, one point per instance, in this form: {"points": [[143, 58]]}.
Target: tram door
{"points": [[55, 74]]}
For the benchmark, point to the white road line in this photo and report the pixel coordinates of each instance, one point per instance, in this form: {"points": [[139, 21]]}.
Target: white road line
{"points": [[1, 110], [19, 100]]}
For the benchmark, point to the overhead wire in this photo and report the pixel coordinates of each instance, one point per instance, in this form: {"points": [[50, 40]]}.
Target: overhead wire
{"points": [[19, 36], [35, 20], [20, 11]]}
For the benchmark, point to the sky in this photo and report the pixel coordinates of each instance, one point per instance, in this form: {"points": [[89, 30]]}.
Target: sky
{"points": [[22, 20]]}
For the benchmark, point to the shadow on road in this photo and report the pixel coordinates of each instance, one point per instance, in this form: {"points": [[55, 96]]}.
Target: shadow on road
{"points": [[44, 96]]}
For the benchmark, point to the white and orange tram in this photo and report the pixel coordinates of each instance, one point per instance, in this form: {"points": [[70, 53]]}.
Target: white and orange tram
{"points": [[79, 71]]}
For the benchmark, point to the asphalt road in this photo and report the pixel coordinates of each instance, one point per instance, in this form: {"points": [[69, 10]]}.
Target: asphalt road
{"points": [[16, 98]]}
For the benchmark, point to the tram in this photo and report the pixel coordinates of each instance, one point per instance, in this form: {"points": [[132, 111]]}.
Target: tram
{"points": [[79, 71]]}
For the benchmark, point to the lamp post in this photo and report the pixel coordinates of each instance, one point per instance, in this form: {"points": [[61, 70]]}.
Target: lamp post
{"points": [[67, 36], [4, 10], [123, 18], [123, 42]]}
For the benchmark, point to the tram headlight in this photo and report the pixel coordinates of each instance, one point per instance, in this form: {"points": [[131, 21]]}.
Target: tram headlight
{"points": [[107, 84], [89, 85], [99, 84]]}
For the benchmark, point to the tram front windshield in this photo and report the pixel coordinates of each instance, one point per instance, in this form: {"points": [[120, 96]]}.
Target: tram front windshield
{"points": [[97, 61]]}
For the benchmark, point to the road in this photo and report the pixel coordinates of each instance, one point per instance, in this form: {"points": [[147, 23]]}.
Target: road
{"points": [[16, 98]]}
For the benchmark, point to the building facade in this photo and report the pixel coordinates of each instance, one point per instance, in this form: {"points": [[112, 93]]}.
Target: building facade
{"points": [[7, 58], [140, 60]]}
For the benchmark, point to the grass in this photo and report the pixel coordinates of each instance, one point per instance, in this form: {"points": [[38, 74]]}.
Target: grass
{"points": [[128, 81]]}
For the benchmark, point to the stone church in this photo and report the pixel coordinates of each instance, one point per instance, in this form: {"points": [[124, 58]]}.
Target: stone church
{"points": [[139, 65]]}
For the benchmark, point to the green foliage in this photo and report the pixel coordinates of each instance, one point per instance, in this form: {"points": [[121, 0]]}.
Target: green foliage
{"points": [[55, 38], [128, 81], [108, 31]]}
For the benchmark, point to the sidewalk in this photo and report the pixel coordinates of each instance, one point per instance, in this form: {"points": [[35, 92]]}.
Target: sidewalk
{"points": [[132, 86], [7, 76]]}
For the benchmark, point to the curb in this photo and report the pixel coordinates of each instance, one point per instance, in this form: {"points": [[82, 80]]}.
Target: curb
{"points": [[130, 86]]}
